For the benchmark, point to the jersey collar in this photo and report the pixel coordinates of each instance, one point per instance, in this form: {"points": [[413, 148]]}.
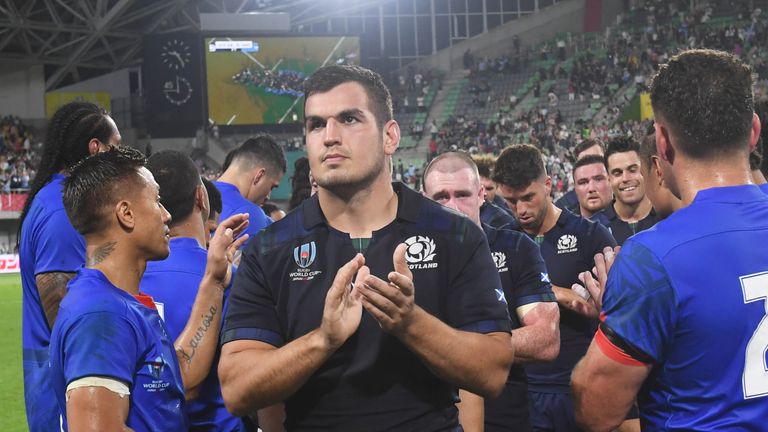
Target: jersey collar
{"points": [[731, 194], [408, 205]]}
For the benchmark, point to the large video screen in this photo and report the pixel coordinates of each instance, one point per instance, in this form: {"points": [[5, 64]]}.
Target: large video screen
{"points": [[258, 80]]}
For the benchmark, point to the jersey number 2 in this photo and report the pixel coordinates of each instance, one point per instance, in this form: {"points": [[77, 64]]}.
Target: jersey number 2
{"points": [[755, 377]]}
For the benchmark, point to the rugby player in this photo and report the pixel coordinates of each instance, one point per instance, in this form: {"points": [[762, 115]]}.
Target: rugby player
{"points": [[113, 364], [568, 245], [50, 249], [681, 332], [422, 317], [452, 180]]}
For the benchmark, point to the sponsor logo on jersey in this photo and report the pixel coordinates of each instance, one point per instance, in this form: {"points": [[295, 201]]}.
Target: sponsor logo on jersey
{"points": [[420, 253], [566, 244], [501, 261]]}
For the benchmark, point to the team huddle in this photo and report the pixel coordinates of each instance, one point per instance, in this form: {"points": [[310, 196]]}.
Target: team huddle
{"points": [[157, 301]]}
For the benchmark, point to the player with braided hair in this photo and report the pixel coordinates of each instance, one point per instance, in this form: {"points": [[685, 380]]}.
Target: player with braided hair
{"points": [[50, 249]]}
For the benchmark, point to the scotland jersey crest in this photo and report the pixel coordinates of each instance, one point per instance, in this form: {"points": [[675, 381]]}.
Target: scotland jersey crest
{"points": [[304, 255]]}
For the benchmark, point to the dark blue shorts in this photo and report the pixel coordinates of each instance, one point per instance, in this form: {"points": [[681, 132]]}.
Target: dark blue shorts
{"points": [[552, 412]]}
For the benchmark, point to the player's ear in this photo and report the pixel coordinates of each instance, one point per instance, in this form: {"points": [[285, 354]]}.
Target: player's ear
{"points": [[125, 215], [548, 185], [755, 134], [391, 137], [201, 198], [93, 146], [663, 144], [258, 175]]}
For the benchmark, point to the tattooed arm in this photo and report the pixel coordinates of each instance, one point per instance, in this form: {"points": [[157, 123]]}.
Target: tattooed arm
{"points": [[196, 345], [52, 287]]}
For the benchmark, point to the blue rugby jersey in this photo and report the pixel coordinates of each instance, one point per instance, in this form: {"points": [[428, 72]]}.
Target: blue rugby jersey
{"points": [[764, 187], [568, 249], [103, 331], [525, 280], [174, 283], [48, 243], [690, 293], [373, 382], [233, 203]]}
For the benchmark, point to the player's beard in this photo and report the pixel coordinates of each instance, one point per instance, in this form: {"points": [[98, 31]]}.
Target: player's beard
{"points": [[345, 183]]}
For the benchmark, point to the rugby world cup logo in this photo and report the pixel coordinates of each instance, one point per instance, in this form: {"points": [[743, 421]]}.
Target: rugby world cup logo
{"points": [[156, 367], [304, 255]]}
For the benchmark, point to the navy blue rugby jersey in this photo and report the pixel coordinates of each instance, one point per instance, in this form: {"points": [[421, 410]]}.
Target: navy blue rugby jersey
{"points": [[525, 280], [568, 249], [497, 217], [620, 229], [373, 382]]}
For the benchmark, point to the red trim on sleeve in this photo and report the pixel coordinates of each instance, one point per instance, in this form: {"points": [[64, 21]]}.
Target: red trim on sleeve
{"points": [[613, 352], [146, 300]]}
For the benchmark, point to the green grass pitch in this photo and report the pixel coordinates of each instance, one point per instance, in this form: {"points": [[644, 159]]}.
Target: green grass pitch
{"points": [[12, 416]]}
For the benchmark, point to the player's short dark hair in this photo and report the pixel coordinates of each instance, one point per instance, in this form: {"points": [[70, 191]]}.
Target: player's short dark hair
{"points": [[178, 178], [588, 143], [518, 166], [484, 164], [214, 197], [705, 99], [588, 160], [328, 77], [621, 144], [262, 151], [97, 182], [648, 146]]}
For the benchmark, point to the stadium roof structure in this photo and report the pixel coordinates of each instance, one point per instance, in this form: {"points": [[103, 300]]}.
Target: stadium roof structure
{"points": [[70, 36]]}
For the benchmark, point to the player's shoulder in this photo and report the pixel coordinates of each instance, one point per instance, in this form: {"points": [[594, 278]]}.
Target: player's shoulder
{"points": [[504, 238], [580, 226], [91, 293], [714, 212], [288, 230], [49, 199]]}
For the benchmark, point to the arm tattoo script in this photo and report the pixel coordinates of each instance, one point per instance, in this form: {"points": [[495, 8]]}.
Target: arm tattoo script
{"points": [[101, 253], [199, 335], [52, 287]]}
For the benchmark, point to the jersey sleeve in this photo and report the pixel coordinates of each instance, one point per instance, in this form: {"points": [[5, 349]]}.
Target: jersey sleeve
{"points": [[639, 304], [476, 300], [532, 284], [100, 344], [60, 248], [251, 310]]}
